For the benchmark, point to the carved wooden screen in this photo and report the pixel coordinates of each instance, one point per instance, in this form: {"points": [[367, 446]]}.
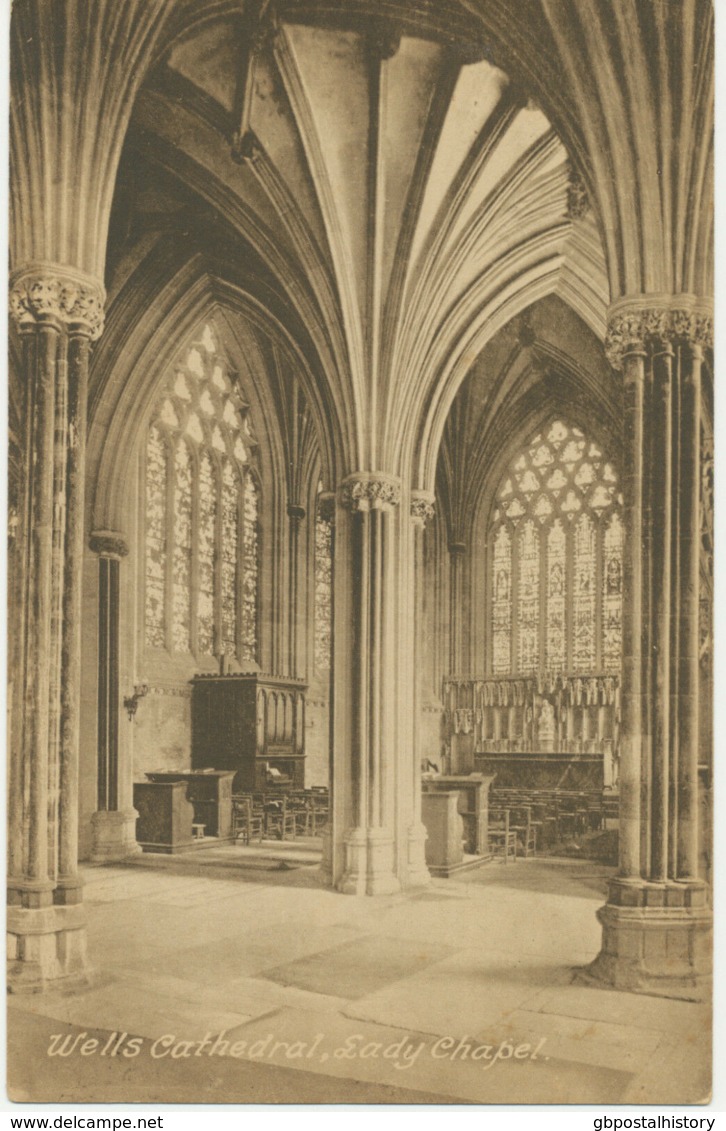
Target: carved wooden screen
{"points": [[555, 542], [201, 512]]}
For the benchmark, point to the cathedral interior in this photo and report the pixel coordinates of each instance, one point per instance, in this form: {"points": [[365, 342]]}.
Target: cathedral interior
{"points": [[360, 539]]}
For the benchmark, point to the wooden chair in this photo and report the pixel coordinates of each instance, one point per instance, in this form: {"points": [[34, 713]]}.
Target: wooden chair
{"points": [[279, 820], [300, 804], [247, 823], [525, 829], [502, 838]]}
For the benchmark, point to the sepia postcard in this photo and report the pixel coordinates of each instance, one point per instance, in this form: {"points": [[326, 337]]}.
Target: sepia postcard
{"points": [[360, 552]]}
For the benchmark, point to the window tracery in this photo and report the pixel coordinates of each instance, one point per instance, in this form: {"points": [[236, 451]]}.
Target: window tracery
{"points": [[201, 509], [556, 539]]}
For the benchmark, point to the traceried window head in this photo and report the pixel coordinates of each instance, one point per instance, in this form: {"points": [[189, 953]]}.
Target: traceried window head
{"points": [[555, 550], [201, 506]]}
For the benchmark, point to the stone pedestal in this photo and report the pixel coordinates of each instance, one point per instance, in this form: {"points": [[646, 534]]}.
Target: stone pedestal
{"points": [[114, 835], [445, 828], [473, 794]]}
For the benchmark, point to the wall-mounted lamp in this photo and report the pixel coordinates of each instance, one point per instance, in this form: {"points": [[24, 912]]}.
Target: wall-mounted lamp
{"points": [[131, 702]]}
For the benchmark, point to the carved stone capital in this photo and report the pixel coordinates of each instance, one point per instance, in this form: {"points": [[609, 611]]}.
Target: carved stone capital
{"points": [[422, 507], [108, 544], [295, 512], [368, 491], [638, 325], [326, 507], [47, 292]]}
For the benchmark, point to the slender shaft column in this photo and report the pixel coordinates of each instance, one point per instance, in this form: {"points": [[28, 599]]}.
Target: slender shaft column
{"points": [[661, 431], [630, 749], [69, 885], [422, 511], [114, 822], [295, 514], [53, 308], [688, 658], [456, 608], [656, 923]]}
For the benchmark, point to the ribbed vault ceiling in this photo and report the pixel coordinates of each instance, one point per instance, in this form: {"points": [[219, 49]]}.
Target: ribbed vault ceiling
{"points": [[400, 195]]}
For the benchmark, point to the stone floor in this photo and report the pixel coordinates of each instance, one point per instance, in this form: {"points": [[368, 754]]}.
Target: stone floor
{"points": [[418, 998]]}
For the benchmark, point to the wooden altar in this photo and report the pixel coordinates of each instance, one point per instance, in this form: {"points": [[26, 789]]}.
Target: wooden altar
{"points": [[210, 792], [165, 817]]}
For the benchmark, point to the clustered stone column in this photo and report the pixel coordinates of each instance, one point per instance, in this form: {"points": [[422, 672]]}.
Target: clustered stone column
{"points": [[370, 502], [58, 312], [114, 822], [656, 923]]}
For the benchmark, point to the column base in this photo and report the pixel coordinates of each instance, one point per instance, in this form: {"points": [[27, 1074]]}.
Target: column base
{"points": [[47, 949], [114, 835], [656, 939], [369, 863], [418, 874]]}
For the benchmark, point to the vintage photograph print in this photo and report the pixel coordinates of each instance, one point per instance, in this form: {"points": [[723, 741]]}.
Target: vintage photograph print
{"points": [[360, 558]]}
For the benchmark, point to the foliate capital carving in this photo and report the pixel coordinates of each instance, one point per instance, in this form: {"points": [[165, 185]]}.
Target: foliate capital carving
{"points": [[578, 204], [47, 292], [108, 544], [370, 491], [637, 325], [326, 507], [422, 507]]}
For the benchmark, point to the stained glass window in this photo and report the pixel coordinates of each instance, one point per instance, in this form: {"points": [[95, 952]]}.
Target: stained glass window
{"points": [[556, 544], [250, 568], [207, 540], [156, 479], [555, 638], [229, 559], [502, 603], [181, 573], [201, 505], [612, 594], [583, 612], [529, 600], [323, 590]]}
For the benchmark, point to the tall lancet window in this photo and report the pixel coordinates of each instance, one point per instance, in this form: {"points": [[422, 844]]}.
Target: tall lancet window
{"points": [[201, 504], [555, 549]]}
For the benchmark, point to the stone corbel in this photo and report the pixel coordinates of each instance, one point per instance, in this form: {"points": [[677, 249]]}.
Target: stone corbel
{"points": [[422, 507]]}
